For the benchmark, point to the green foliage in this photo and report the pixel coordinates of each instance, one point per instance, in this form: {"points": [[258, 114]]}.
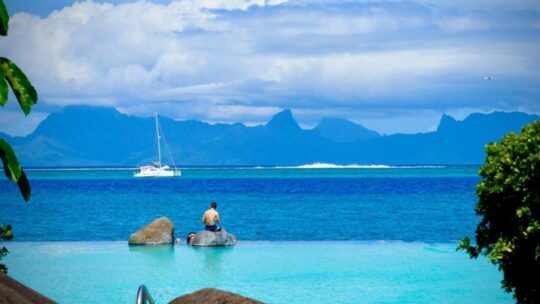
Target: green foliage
{"points": [[24, 186], [27, 97], [509, 204], [21, 86], [4, 19], [3, 91], [5, 235], [12, 168]]}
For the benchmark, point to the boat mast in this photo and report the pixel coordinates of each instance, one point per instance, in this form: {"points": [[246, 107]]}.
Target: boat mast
{"points": [[158, 138]]}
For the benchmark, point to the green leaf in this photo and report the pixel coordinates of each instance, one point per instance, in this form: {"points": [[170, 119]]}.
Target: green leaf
{"points": [[464, 244], [3, 90], [24, 186], [21, 86], [12, 168], [5, 233], [4, 19]]}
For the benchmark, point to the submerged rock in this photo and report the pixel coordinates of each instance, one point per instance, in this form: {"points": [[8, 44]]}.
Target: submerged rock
{"points": [[212, 295], [209, 238], [160, 231]]}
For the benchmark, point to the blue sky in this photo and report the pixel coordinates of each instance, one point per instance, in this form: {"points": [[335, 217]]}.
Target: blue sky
{"points": [[393, 66]]}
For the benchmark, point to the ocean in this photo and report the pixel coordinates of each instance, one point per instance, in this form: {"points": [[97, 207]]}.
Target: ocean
{"points": [[308, 203], [309, 234]]}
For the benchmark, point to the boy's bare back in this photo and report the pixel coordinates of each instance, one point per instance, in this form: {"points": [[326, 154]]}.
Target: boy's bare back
{"points": [[210, 217]]}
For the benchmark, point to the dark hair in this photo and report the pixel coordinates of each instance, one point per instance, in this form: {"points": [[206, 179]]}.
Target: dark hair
{"points": [[187, 238], [213, 205]]}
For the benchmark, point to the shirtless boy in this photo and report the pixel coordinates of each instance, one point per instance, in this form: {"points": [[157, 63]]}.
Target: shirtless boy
{"points": [[211, 217]]}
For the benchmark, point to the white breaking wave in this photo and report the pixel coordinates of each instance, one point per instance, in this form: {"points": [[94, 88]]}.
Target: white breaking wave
{"points": [[351, 166], [334, 166]]}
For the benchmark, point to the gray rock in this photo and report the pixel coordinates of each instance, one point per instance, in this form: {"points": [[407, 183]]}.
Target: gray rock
{"points": [[209, 238], [160, 231]]}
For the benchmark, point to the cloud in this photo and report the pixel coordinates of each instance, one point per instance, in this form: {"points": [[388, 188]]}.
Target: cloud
{"points": [[15, 123], [464, 23], [236, 60]]}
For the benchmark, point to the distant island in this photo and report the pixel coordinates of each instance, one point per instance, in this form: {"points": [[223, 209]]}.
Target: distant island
{"points": [[96, 136]]}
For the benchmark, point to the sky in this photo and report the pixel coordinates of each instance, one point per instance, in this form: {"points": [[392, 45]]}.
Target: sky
{"points": [[392, 66]]}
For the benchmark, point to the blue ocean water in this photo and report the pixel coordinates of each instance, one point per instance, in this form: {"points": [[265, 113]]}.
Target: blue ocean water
{"points": [[426, 204]]}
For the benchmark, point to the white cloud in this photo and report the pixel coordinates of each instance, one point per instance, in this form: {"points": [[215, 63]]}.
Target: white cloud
{"points": [[228, 4], [239, 60], [464, 23], [15, 123], [446, 4]]}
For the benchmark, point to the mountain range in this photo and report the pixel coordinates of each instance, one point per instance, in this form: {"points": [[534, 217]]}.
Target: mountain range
{"points": [[95, 136]]}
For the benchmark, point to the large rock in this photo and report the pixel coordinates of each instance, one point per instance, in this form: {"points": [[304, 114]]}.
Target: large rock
{"points": [[209, 238], [212, 295], [160, 231]]}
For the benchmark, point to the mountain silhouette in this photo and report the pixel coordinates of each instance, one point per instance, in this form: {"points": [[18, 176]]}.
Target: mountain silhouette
{"points": [[343, 131], [283, 122], [96, 136]]}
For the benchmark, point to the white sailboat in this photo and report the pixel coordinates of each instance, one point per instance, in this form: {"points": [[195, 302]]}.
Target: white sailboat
{"points": [[156, 169]]}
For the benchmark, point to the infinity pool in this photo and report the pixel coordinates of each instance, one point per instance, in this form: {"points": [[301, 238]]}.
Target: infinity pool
{"points": [[273, 272]]}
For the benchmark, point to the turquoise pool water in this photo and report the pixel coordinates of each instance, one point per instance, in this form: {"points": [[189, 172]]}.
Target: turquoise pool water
{"points": [[273, 272]]}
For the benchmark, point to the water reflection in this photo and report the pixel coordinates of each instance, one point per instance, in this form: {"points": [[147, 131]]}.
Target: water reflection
{"points": [[214, 259], [162, 252], [153, 249]]}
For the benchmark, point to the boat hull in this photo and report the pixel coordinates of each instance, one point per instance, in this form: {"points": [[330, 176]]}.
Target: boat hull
{"points": [[156, 172]]}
